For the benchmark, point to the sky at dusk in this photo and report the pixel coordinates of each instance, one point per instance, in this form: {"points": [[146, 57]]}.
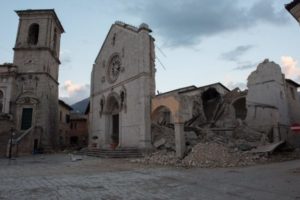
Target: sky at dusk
{"points": [[198, 42]]}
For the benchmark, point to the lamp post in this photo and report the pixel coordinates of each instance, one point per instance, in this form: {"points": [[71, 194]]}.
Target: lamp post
{"points": [[12, 134], [294, 9]]}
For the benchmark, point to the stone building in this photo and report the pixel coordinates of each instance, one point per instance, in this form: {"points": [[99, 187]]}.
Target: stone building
{"points": [[78, 135], [64, 123], [122, 85], [29, 86], [123, 105]]}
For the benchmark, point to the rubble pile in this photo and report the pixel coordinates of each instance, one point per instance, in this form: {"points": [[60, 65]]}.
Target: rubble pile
{"points": [[222, 129], [207, 147], [160, 157], [218, 155], [163, 137], [206, 155]]}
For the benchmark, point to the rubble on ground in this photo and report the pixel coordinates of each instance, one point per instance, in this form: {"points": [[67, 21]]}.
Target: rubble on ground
{"points": [[209, 148]]}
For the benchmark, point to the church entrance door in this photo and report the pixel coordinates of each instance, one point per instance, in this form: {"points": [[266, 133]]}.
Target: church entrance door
{"points": [[115, 129]]}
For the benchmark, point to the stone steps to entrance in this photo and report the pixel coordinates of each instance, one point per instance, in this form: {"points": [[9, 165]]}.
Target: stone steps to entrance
{"points": [[109, 153]]}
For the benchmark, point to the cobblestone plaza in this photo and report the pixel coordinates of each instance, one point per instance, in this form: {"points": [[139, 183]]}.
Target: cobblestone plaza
{"points": [[57, 177]]}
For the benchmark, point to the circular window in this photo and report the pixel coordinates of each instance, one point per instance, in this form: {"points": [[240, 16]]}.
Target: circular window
{"points": [[114, 68]]}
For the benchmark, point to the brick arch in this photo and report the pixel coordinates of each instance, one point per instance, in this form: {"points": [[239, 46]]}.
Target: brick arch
{"points": [[161, 113], [169, 102]]}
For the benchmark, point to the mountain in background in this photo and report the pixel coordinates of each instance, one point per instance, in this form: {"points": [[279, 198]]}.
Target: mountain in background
{"points": [[81, 105]]}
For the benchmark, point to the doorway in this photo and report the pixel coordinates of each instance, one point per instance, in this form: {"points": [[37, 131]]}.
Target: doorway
{"points": [[35, 146], [26, 121], [115, 129]]}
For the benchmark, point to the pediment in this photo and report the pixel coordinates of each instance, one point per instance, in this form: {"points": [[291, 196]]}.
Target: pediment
{"points": [[27, 99]]}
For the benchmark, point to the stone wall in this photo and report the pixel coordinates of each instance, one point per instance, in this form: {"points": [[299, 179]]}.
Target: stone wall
{"points": [[5, 134], [267, 103]]}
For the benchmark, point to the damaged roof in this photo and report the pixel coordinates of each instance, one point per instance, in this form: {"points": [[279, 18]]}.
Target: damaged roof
{"points": [[179, 90]]}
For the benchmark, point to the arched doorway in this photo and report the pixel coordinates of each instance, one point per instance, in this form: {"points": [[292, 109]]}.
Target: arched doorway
{"points": [[113, 110], [162, 116]]}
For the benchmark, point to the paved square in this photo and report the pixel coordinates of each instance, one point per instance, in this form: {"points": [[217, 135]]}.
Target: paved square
{"points": [[56, 177]]}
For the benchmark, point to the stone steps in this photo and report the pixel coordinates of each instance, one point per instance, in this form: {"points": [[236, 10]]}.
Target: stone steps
{"points": [[108, 153]]}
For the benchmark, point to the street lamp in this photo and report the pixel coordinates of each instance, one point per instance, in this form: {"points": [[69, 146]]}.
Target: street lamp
{"points": [[12, 135], [294, 9]]}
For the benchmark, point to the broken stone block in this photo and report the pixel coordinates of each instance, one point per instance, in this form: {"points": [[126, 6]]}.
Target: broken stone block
{"points": [[244, 147], [191, 136], [159, 143], [170, 147]]}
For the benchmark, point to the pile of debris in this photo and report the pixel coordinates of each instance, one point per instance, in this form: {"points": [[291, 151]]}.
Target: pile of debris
{"points": [[210, 147], [218, 155]]}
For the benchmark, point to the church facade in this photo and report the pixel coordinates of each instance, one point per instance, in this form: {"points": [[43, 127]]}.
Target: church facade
{"points": [[122, 85], [29, 85]]}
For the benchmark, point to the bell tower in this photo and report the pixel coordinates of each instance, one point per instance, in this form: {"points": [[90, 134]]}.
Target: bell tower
{"points": [[38, 42], [36, 55]]}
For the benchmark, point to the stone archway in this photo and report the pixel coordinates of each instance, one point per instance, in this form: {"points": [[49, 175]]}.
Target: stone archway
{"points": [[174, 106], [113, 120], [162, 115]]}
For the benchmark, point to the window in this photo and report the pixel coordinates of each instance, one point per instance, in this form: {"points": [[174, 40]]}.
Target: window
{"points": [[67, 119], [114, 39], [1, 101], [33, 34], [60, 115]]}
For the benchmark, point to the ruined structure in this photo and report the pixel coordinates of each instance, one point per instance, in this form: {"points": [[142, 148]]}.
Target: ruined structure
{"points": [[272, 102], [184, 107], [122, 85], [122, 101], [29, 86], [261, 115]]}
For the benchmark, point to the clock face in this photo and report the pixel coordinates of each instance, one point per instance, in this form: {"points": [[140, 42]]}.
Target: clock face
{"points": [[114, 68]]}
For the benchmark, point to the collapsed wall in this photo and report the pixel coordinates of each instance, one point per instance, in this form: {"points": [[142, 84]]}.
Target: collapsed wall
{"points": [[266, 99], [236, 121]]}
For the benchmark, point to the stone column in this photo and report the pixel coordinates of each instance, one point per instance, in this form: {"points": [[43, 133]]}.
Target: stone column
{"points": [[179, 139]]}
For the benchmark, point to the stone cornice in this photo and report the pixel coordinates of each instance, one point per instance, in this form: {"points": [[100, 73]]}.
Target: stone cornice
{"points": [[38, 49], [40, 73], [122, 83]]}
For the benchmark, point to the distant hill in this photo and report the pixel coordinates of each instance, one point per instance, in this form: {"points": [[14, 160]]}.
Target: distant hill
{"points": [[81, 105]]}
